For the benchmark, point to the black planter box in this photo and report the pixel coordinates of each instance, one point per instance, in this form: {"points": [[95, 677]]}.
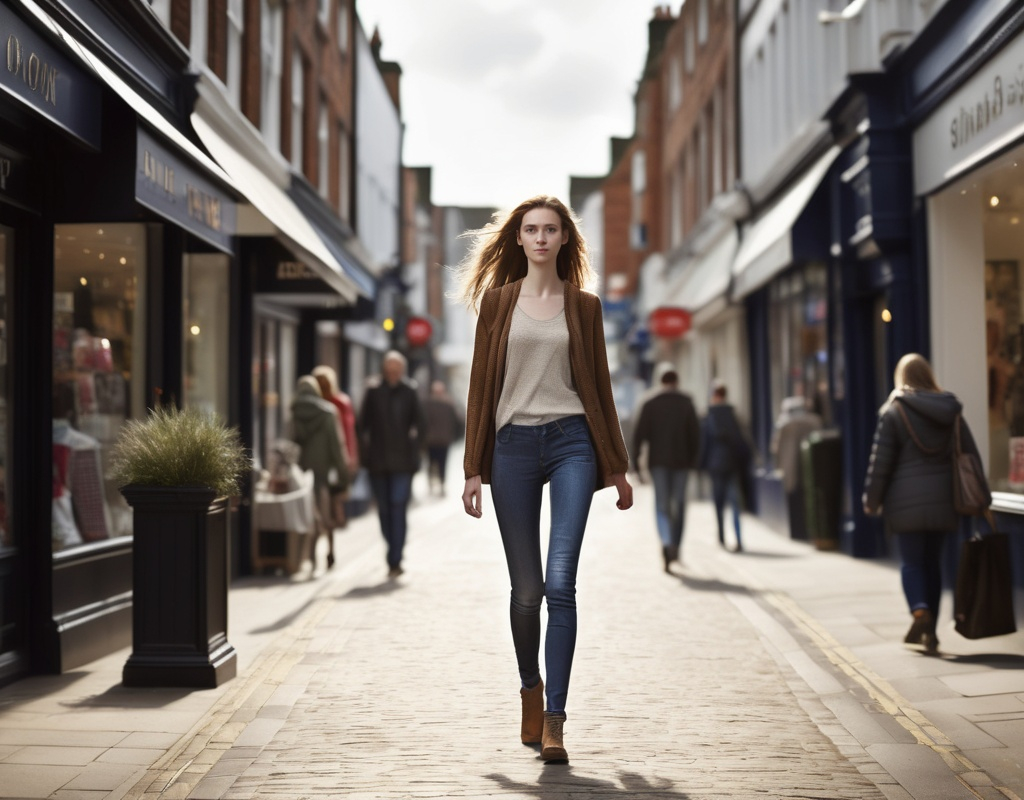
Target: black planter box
{"points": [[180, 588]]}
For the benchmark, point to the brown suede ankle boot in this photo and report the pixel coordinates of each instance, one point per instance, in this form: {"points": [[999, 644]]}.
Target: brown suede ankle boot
{"points": [[533, 713], [552, 748]]}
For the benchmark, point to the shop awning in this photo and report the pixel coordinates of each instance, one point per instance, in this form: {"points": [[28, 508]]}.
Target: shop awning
{"points": [[273, 203], [146, 111], [705, 278], [328, 228], [767, 246]]}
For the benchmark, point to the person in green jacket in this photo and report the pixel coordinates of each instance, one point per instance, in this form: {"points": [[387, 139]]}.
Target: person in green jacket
{"points": [[316, 430]]}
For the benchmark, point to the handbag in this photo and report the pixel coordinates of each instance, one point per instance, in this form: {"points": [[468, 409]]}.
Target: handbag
{"points": [[983, 596], [971, 494]]}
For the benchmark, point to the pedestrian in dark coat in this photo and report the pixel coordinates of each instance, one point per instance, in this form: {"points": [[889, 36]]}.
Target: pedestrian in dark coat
{"points": [[910, 483], [668, 423], [725, 455], [392, 429], [444, 426]]}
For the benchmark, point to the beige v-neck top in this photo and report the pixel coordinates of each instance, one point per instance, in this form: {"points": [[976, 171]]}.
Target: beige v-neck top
{"points": [[538, 377]]}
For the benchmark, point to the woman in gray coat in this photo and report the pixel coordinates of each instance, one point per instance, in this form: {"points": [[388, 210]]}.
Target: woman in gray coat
{"points": [[910, 483], [315, 428]]}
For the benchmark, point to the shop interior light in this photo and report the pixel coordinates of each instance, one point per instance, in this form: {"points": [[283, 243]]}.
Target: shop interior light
{"points": [[84, 281], [388, 324], [993, 201], [101, 256], [1014, 220], [886, 315], [194, 330], [124, 260]]}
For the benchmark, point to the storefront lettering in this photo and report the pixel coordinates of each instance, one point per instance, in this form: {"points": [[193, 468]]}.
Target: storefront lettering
{"points": [[294, 271], [39, 76], [158, 173], [973, 119], [5, 171], [203, 207]]}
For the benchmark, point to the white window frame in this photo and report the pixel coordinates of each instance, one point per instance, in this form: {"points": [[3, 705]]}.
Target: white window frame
{"points": [[197, 32], [271, 55], [297, 99], [323, 11], [323, 156], [690, 49], [236, 30], [702, 21], [162, 10], [343, 25], [675, 83], [344, 175]]}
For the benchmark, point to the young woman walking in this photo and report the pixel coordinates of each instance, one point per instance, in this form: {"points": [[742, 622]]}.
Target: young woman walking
{"points": [[540, 410], [910, 483]]}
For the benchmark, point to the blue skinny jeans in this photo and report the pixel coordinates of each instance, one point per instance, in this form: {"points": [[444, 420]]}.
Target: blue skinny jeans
{"points": [[670, 503], [921, 570], [725, 488], [525, 458], [392, 491]]}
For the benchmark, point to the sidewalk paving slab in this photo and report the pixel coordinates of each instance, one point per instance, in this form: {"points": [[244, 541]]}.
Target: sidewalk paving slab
{"points": [[777, 672]]}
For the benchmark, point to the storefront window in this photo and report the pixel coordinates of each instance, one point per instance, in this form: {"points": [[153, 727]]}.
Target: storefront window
{"points": [[798, 337], [205, 315], [6, 250], [1001, 195], [273, 380], [98, 348]]}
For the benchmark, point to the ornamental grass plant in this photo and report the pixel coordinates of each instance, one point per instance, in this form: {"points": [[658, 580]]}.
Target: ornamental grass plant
{"points": [[179, 447]]}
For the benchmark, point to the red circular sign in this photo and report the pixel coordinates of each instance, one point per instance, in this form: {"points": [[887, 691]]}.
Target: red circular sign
{"points": [[418, 331], [669, 323]]}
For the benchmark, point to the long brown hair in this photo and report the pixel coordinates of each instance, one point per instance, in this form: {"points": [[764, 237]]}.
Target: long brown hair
{"points": [[914, 373], [496, 258]]}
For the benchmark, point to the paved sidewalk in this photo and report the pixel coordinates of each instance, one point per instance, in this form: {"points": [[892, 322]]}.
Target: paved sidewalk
{"points": [[775, 673]]}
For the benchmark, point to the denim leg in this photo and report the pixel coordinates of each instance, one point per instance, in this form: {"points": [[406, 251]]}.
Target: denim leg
{"points": [[719, 491], [381, 494], [516, 491], [400, 492], [679, 481], [734, 501], [573, 473], [913, 547], [391, 491], [662, 479]]}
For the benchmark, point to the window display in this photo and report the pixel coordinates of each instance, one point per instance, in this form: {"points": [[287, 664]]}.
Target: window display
{"points": [[206, 314], [1001, 195], [98, 346], [799, 338]]}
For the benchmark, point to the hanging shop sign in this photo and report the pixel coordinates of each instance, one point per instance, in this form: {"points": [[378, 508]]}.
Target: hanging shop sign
{"points": [[669, 323], [39, 75], [174, 189], [418, 331]]}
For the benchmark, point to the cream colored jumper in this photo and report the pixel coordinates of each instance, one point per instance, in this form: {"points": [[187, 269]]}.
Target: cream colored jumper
{"points": [[538, 377]]}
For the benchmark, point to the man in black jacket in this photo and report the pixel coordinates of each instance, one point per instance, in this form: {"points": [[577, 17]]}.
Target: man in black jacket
{"points": [[668, 423], [392, 430]]}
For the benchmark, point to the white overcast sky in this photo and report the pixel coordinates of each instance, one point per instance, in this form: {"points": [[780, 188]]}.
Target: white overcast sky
{"points": [[506, 99]]}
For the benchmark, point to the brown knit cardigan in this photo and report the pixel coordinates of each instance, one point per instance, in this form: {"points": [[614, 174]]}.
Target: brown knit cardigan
{"points": [[589, 363]]}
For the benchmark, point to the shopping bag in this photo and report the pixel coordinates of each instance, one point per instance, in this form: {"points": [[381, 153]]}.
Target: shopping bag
{"points": [[983, 597]]}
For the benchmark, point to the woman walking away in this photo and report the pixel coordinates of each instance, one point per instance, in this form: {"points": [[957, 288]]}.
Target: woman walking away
{"points": [[910, 483], [316, 430], [540, 410], [725, 455]]}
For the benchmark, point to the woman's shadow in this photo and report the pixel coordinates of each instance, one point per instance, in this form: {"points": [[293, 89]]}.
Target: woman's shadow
{"points": [[559, 781]]}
